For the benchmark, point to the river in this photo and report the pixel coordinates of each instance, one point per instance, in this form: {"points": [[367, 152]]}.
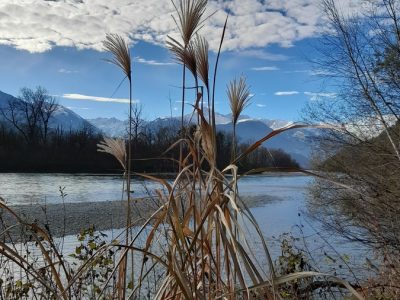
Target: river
{"points": [[285, 213]]}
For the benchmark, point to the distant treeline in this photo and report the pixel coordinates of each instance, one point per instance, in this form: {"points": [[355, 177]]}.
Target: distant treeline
{"points": [[76, 151]]}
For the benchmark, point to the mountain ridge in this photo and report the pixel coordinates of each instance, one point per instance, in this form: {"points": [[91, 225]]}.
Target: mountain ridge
{"points": [[248, 130]]}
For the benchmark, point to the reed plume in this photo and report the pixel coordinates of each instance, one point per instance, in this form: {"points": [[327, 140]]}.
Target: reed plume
{"points": [[185, 55], [201, 48], [115, 147], [117, 46], [239, 98], [190, 13]]}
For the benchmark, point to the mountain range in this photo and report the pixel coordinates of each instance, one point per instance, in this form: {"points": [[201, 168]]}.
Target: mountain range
{"points": [[294, 142], [248, 129]]}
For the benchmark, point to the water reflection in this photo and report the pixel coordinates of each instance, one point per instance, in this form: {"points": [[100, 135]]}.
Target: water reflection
{"points": [[25, 188], [274, 218]]}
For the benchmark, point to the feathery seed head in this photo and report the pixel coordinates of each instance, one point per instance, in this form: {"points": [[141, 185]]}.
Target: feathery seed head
{"points": [[184, 55], [118, 47], [201, 47], [239, 97], [115, 147], [189, 19]]}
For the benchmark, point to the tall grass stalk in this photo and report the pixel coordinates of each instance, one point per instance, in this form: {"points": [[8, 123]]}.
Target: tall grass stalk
{"points": [[190, 13], [121, 57]]}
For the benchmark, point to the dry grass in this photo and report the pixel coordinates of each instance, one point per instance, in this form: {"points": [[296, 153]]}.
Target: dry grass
{"points": [[190, 19]]}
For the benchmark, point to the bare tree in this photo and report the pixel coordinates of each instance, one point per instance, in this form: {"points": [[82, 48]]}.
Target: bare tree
{"points": [[48, 105], [137, 121], [30, 113], [361, 58]]}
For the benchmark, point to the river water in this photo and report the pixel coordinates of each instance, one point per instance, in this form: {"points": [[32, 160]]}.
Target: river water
{"points": [[284, 214], [27, 188]]}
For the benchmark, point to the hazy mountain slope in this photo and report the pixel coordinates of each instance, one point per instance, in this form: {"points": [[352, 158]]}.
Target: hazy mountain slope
{"points": [[248, 130], [63, 118], [111, 127], [5, 98], [293, 142]]}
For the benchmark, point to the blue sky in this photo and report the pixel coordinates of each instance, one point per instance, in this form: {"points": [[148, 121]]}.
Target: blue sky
{"points": [[269, 42]]}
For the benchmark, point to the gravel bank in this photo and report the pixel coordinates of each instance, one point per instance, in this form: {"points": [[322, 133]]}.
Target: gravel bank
{"points": [[70, 218]]}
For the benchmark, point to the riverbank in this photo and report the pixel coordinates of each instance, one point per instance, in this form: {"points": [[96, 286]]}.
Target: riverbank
{"points": [[69, 218]]}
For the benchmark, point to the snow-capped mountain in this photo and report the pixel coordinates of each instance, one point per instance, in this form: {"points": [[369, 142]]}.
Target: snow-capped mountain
{"points": [[111, 127], [68, 120], [248, 129], [275, 124], [293, 142], [63, 118]]}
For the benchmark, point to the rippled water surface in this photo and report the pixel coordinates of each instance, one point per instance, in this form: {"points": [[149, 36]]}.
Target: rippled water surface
{"points": [[283, 214], [23, 188]]}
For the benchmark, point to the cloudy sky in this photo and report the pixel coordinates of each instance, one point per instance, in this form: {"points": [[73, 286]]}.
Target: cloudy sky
{"points": [[58, 44]]}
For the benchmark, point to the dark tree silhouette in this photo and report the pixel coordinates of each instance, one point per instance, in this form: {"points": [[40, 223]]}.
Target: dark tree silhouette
{"points": [[30, 114]]}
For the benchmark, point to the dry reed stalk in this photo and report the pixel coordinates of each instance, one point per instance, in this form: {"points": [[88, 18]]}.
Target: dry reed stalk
{"points": [[190, 13], [121, 57], [239, 98]]}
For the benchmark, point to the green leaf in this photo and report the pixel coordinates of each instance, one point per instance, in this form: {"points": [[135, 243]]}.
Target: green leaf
{"points": [[92, 245], [130, 285]]}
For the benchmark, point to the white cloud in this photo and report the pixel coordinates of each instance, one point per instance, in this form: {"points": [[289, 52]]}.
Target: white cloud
{"points": [[321, 73], [298, 71], [286, 93], [265, 68], [260, 105], [96, 98], [152, 62], [78, 108], [66, 71], [38, 26], [261, 54], [317, 96]]}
